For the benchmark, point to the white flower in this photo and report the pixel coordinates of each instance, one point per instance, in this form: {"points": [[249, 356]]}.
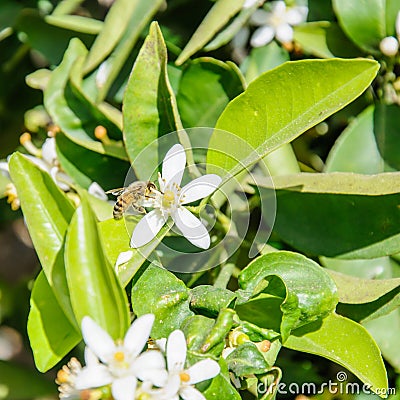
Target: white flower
{"points": [[120, 363], [46, 159], [276, 23], [4, 169], [97, 191], [251, 3], [181, 381], [170, 200], [389, 45]]}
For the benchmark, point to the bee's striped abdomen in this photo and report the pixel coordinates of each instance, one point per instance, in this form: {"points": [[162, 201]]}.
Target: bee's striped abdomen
{"points": [[119, 207]]}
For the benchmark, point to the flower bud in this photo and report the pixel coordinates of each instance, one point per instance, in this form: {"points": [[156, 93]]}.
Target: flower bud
{"points": [[389, 46]]}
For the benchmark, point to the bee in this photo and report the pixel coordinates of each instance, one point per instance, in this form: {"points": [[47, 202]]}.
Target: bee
{"points": [[132, 195]]}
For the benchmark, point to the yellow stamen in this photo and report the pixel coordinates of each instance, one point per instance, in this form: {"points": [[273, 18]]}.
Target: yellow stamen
{"points": [[62, 376], [12, 196], [185, 377], [26, 140], [100, 133], [52, 130], [119, 356]]}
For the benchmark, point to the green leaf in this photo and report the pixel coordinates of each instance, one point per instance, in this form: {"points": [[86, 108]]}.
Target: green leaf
{"points": [[354, 290], [51, 335], [115, 238], [217, 17], [86, 166], [385, 332], [20, 383], [94, 287], [149, 103], [309, 292], [356, 150], [47, 213], [73, 112], [283, 103], [166, 296], [75, 23], [346, 343], [364, 21], [262, 59], [41, 36], [386, 128], [206, 87], [312, 38], [141, 15], [246, 359], [210, 300], [115, 24], [343, 201]]}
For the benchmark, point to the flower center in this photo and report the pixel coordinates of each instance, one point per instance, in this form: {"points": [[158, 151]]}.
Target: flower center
{"points": [[119, 356], [185, 377], [168, 198]]}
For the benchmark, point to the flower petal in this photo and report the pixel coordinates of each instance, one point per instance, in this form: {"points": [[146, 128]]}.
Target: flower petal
{"points": [[99, 341], [203, 370], [191, 227], [262, 36], [4, 169], [296, 15], [92, 377], [284, 33], [150, 366], [174, 165], [138, 334], [124, 388], [90, 357], [200, 187], [123, 257], [176, 351], [49, 153], [191, 393], [147, 228], [97, 191], [398, 25]]}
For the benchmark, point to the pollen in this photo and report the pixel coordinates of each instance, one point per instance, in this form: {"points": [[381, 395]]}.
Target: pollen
{"points": [[185, 377], [62, 376], [25, 137], [26, 140], [100, 132], [119, 356], [12, 196]]}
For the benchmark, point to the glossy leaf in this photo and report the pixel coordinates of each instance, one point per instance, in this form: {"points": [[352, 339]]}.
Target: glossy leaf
{"points": [[308, 294], [385, 332], [210, 300], [150, 109], [283, 103], [345, 342], [94, 287], [73, 112], [363, 21], [354, 290], [75, 23], [262, 59], [216, 18], [47, 213], [166, 296], [51, 335], [206, 87], [386, 124], [115, 238], [356, 150], [343, 201], [311, 37], [246, 359], [115, 24], [141, 15]]}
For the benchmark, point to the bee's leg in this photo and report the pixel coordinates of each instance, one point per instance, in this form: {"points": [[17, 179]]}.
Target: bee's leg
{"points": [[140, 209]]}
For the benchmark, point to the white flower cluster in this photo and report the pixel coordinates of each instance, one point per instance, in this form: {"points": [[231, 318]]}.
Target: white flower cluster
{"points": [[153, 374], [389, 46]]}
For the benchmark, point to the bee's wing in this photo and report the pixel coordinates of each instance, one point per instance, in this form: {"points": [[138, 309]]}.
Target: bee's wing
{"points": [[115, 192]]}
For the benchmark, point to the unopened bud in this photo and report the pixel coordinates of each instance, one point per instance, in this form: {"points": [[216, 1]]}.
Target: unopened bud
{"points": [[389, 46]]}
